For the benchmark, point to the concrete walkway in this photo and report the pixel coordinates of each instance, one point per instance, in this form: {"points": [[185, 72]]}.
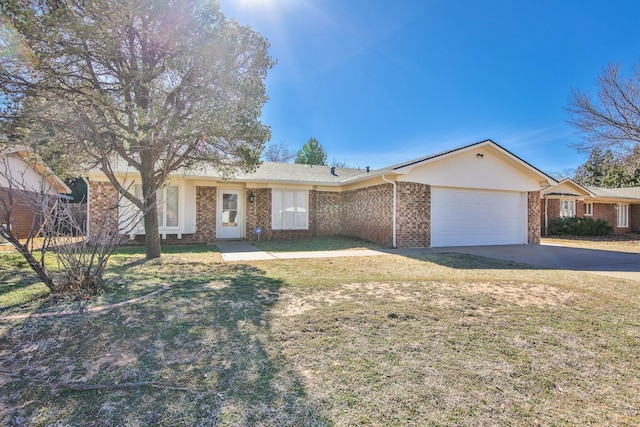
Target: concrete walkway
{"points": [[607, 263]]}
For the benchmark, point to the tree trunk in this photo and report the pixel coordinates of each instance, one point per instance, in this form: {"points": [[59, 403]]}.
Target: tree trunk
{"points": [[35, 265], [152, 237]]}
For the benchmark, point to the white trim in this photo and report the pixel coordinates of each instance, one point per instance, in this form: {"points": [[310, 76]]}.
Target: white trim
{"points": [[568, 211], [588, 209]]}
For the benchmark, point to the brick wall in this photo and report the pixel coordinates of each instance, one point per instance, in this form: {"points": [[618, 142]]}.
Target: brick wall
{"points": [[206, 220], [21, 206], [533, 214], [609, 213], [328, 213], [634, 217], [259, 214], [103, 198], [413, 215], [367, 214]]}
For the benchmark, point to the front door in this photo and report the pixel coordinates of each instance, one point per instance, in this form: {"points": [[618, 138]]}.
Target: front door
{"points": [[229, 214]]}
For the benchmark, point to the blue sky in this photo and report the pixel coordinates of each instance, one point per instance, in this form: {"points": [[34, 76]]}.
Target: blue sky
{"points": [[378, 82]]}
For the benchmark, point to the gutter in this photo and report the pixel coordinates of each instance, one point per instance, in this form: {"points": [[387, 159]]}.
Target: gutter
{"points": [[395, 206]]}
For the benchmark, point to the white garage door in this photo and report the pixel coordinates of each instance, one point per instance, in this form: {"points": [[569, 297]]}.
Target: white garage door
{"points": [[463, 217]]}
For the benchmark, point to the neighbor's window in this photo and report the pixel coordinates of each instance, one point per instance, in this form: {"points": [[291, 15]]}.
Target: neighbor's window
{"points": [[623, 215], [289, 210], [567, 208], [167, 201], [588, 209]]}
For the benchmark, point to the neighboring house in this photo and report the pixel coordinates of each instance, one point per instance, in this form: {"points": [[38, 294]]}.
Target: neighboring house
{"points": [[480, 194], [620, 207], [25, 179]]}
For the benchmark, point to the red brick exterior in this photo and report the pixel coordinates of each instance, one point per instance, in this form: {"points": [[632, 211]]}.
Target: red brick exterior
{"points": [[368, 214], [206, 218], [103, 197], [634, 218], [327, 212], [533, 218], [20, 210], [365, 213], [609, 212], [413, 215]]}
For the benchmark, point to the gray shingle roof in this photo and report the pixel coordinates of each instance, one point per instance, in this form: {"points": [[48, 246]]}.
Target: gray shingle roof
{"points": [[619, 193]]}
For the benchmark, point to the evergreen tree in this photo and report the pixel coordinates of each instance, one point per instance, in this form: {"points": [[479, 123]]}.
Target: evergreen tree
{"points": [[312, 153]]}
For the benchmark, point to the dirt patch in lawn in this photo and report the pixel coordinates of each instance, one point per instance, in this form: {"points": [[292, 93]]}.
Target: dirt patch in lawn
{"points": [[521, 294]]}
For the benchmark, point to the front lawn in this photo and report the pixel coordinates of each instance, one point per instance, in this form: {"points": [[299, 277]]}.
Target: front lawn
{"points": [[438, 339], [628, 242]]}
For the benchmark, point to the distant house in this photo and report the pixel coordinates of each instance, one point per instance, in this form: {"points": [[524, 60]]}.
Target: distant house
{"points": [[479, 194], [620, 207], [22, 177]]}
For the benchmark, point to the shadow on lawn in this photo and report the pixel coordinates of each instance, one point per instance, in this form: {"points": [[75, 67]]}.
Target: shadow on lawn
{"points": [[211, 338]]}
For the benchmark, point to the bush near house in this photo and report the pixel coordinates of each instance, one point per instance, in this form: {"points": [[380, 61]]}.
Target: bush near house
{"points": [[576, 226]]}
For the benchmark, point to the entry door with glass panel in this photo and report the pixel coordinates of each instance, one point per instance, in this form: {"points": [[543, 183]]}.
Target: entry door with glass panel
{"points": [[230, 214]]}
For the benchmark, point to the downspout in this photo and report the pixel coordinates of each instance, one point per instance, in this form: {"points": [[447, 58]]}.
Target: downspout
{"points": [[395, 205]]}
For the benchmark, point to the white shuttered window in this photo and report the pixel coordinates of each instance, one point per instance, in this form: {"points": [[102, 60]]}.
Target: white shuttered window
{"points": [[289, 210]]}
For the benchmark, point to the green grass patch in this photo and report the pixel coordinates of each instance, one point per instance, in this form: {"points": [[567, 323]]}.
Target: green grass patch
{"points": [[435, 339], [332, 243]]}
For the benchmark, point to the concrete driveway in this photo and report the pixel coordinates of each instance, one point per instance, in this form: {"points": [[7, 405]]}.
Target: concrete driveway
{"points": [[608, 263]]}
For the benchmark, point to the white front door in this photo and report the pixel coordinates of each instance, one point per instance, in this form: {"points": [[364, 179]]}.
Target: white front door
{"points": [[230, 214]]}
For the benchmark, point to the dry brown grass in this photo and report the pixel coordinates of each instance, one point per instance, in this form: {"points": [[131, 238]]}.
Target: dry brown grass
{"points": [[439, 339], [629, 242]]}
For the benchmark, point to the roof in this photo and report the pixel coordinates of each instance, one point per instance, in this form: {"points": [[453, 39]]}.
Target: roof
{"points": [[567, 187], [321, 175], [41, 168], [486, 142], [286, 172], [616, 193]]}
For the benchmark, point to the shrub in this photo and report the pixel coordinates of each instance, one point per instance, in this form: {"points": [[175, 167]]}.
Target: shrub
{"points": [[575, 226]]}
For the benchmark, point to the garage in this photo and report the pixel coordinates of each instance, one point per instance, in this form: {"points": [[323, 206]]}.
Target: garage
{"points": [[469, 217]]}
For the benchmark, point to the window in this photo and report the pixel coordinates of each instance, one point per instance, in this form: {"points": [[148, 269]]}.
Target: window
{"points": [[167, 199], [567, 208], [623, 215], [289, 210], [588, 209]]}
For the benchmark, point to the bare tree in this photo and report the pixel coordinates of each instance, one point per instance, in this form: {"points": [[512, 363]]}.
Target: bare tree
{"points": [[278, 152], [611, 120], [339, 163], [53, 230]]}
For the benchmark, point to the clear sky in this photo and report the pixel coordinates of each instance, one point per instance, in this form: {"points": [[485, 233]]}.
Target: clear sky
{"points": [[377, 82]]}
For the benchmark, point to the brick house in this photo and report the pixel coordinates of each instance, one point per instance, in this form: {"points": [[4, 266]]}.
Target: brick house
{"points": [[479, 194], [23, 180], [620, 207]]}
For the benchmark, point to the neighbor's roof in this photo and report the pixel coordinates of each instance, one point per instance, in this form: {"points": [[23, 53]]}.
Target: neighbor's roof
{"points": [[40, 167], [616, 193]]}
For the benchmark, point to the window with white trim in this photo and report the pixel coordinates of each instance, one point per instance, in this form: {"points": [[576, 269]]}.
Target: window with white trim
{"points": [[567, 208], [588, 209], [623, 215], [167, 200], [289, 210]]}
